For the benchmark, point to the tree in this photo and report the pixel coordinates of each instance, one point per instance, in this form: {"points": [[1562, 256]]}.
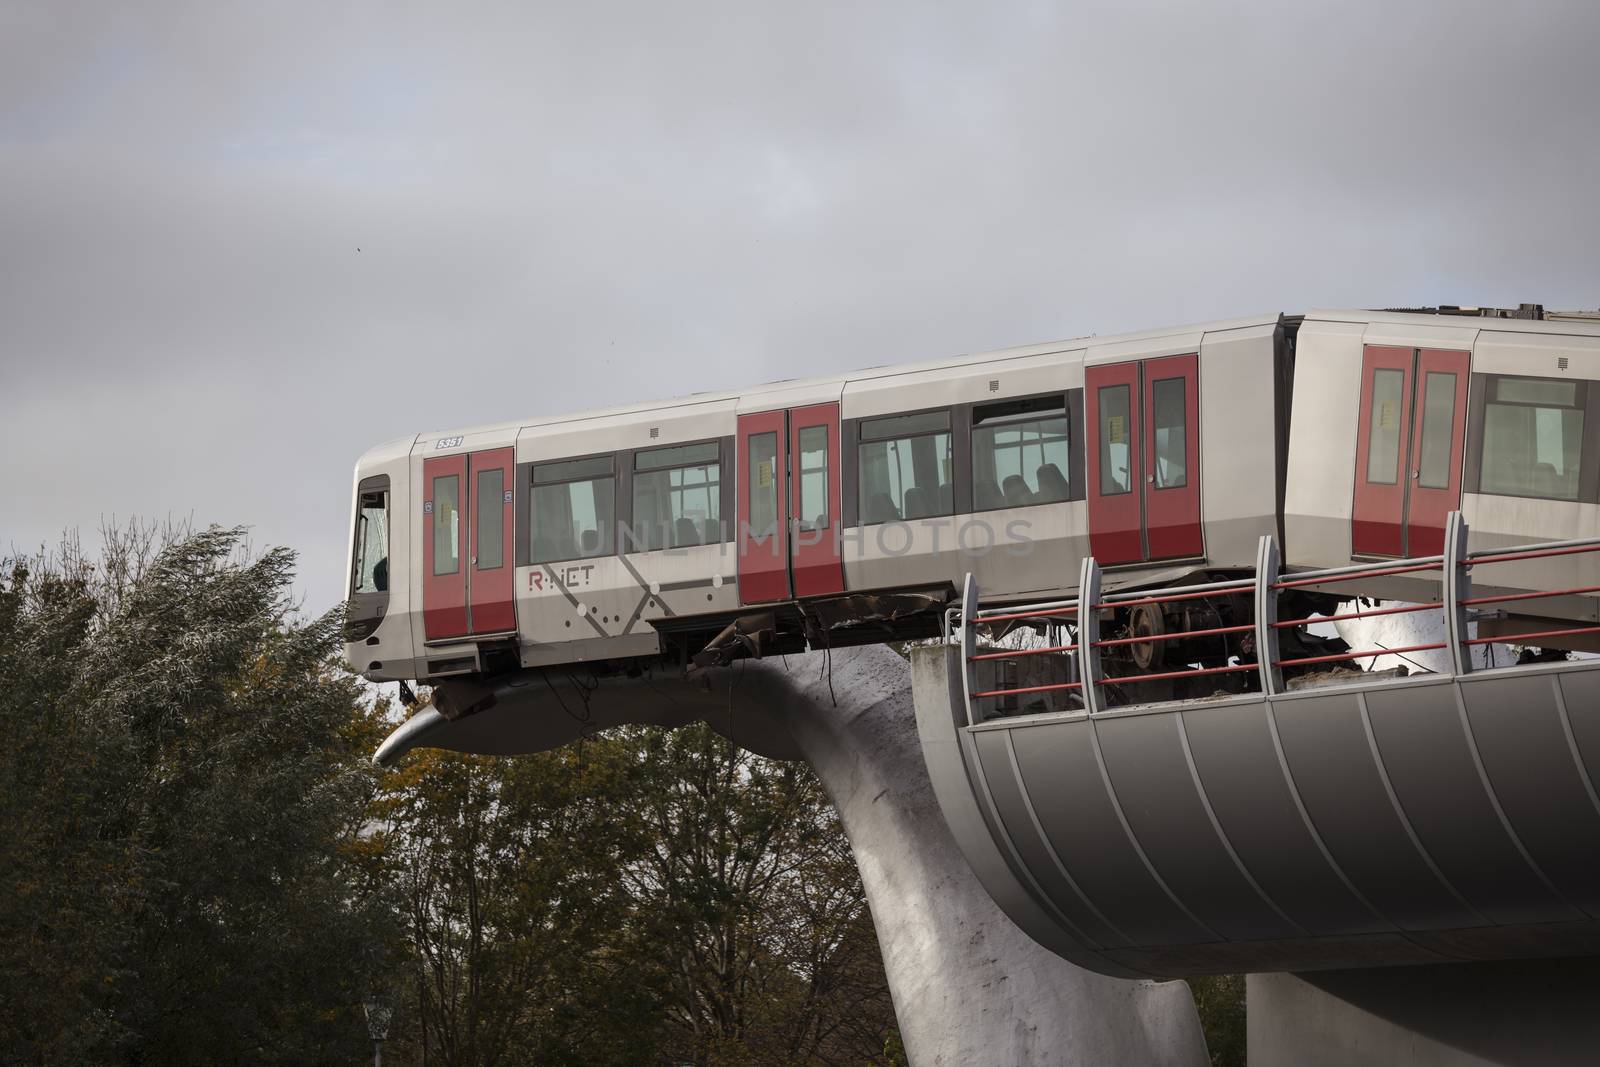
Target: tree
{"points": [[749, 905], [183, 803], [510, 874], [645, 896]]}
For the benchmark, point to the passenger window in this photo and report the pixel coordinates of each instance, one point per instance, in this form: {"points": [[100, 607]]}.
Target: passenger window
{"points": [[1116, 446], [490, 527], [1385, 423], [1438, 430], [1170, 418], [677, 497], [813, 478], [372, 543], [763, 484], [1020, 451], [574, 509], [1532, 438], [446, 525], [905, 468]]}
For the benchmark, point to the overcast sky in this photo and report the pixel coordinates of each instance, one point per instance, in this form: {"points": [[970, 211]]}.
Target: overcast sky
{"points": [[240, 244]]}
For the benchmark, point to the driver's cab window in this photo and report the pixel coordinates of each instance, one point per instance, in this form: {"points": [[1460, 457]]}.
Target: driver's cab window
{"points": [[371, 570]]}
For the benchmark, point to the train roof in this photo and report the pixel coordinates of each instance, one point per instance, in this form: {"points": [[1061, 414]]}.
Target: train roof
{"points": [[1582, 323]]}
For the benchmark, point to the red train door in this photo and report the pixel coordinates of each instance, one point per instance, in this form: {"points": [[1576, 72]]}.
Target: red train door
{"points": [[814, 500], [1116, 503], [491, 604], [788, 504], [444, 536], [1409, 441], [467, 528], [1172, 458], [1437, 446], [1143, 436], [763, 508]]}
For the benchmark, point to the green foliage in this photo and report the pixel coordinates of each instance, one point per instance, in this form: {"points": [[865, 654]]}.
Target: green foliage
{"points": [[200, 865], [647, 896], [1220, 1000], [183, 785]]}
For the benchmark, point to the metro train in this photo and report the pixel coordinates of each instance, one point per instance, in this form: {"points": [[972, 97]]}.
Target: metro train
{"points": [[847, 509]]}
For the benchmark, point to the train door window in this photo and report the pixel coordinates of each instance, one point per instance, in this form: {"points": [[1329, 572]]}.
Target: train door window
{"points": [[446, 524], [763, 484], [1116, 464], [1532, 438], [813, 478], [574, 509], [677, 497], [1438, 429], [905, 468], [489, 506], [1020, 453], [371, 571], [1169, 422], [1388, 423]]}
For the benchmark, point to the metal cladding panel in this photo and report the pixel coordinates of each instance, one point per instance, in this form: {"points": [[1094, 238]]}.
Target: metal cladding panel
{"points": [[1069, 797], [1238, 767], [1429, 762], [1580, 695], [1150, 775], [996, 751], [1532, 769], [1331, 762]]}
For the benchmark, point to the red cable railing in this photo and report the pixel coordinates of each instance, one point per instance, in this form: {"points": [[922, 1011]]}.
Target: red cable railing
{"points": [[1406, 609], [1175, 635], [1264, 589], [1302, 661], [1014, 653]]}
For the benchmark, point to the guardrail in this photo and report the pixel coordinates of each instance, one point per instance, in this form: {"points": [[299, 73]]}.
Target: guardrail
{"points": [[1455, 565]]}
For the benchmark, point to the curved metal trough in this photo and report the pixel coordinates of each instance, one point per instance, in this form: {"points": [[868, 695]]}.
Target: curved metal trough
{"points": [[1433, 818]]}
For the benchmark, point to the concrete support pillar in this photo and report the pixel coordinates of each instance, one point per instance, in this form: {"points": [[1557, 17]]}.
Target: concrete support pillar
{"points": [[969, 986], [1527, 1013]]}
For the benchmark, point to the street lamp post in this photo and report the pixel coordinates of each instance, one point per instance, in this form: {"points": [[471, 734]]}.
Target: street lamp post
{"points": [[379, 1015]]}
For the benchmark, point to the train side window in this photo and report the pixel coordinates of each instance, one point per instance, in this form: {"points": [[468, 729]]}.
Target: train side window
{"points": [[490, 529], [574, 509], [1020, 453], [1170, 416], [1532, 438], [677, 497], [1387, 419], [905, 468], [763, 484], [1116, 449], [371, 571], [813, 478], [446, 524]]}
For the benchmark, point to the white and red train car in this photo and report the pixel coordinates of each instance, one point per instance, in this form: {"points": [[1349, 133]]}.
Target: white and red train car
{"points": [[848, 509]]}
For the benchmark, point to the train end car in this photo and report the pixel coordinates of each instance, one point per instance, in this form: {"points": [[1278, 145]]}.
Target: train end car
{"points": [[1401, 418]]}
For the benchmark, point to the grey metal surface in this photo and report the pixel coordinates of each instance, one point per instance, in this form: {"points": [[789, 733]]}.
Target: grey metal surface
{"points": [[1527, 1013], [1333, 766], [1429, 820], [1235, 758], [1529, 763]]}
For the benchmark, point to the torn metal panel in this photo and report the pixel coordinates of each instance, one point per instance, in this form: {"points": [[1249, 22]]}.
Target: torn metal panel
{"points": [[747, 635], [854, 609]]}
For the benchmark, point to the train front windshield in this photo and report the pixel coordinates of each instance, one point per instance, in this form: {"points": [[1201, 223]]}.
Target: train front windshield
{"points": [[371, 571]]}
